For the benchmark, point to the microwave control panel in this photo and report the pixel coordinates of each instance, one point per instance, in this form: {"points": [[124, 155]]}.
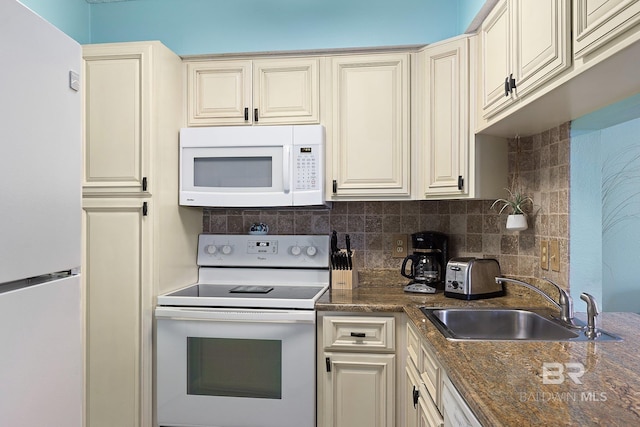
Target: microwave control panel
{"points": [[306, 165]]}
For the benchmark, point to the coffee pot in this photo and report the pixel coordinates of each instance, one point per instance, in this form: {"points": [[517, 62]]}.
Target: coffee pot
{"points": [[425, 268], [426, 264]]}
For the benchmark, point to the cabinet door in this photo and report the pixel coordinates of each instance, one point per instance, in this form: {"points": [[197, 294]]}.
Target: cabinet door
{"points": [[359, 390], [370, 136], [219, 93], [597, 22], [496, 59], [446, 119], [456, 412], [286, 91], [116, 158], [412, 395], [540, 41], [115, 256]]}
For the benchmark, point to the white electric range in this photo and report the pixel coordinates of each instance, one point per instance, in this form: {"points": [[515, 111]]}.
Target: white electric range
{"points": [[238, 347]]}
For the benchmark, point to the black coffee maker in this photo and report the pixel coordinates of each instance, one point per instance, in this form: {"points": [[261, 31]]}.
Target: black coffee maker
{"points": [[427, 263]]}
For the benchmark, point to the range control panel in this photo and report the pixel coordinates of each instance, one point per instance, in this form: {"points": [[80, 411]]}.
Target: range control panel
{"points": [[270, 251]]}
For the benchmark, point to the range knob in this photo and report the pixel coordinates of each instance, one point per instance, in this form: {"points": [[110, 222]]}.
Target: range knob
{"points": [[210, 249], [226, 249], [296, 250], [311, 250]]}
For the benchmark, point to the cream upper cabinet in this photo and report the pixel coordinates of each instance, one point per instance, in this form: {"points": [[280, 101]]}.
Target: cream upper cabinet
{"points": [[253, 92], [117, 158], [497, 64], [523, 45], [597, 22], [445, 119], [453, 162], [368, 138]]}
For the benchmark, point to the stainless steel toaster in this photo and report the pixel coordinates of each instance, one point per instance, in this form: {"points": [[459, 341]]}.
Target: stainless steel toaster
{"points": [[472, 278]]}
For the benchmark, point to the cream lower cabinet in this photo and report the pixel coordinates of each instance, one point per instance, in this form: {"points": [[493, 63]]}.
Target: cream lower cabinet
{"points": [[431, 399], [253, 92], [137, 241], [368, 137], [117, 249], [356, 371], [423, 405], [523, 45], [597, 22]]}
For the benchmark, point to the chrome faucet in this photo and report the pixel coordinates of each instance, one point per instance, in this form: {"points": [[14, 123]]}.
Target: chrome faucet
{"points": [[592, 313], [564, 304]]}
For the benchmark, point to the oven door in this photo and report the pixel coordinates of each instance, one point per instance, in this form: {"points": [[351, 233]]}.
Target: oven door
{"points": [[226, 367]]}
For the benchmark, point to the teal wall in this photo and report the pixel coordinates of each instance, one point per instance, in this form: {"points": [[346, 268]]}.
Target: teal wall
{"points": [[605, 206], [208, 26], [71, 16]]}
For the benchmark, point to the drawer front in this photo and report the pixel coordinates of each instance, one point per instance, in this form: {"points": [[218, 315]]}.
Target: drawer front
{"points": [[431, 375], [413, 345], [359, 333]]}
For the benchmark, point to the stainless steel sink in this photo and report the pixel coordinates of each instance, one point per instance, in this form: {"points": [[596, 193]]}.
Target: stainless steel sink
{"points": [[499, 324]]}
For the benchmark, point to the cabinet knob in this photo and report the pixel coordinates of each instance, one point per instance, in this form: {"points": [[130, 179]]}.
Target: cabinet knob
{"points": [[255, 115], [335, 186], [416, 396], [246, 114]]}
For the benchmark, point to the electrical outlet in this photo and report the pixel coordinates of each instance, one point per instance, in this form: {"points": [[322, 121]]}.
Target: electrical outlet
{"points": [[544, 255], [399, 247], [554, 255]]}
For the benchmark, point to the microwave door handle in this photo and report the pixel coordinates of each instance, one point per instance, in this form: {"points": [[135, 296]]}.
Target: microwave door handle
{"points": [[286, 164]]}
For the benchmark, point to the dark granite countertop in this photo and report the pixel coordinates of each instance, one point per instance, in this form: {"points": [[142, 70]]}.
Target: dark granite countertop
{"points": [[502, 382]]}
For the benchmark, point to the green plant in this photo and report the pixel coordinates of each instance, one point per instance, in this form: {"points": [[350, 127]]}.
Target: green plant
{"points": [[517, 202]]}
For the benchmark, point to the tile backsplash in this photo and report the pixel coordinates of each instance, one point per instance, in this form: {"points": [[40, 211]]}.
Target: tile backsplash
{"points": [[538, 164]]}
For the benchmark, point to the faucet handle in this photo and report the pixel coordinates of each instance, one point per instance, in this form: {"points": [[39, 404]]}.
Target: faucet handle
{"points": [[565, 301]]}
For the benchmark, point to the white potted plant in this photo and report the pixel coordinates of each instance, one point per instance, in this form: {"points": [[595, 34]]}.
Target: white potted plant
{"points": [[518, 204]]}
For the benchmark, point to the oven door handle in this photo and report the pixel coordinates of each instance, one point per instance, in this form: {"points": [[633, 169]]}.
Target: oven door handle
{"points": [[236, 315]]}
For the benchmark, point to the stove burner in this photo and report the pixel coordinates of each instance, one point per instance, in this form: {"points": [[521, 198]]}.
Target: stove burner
{"points": [[251, 290]]}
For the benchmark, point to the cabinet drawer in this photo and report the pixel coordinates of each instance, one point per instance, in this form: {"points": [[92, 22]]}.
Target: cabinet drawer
{"points": [[431, 375], [413, 345], [358, 333]]}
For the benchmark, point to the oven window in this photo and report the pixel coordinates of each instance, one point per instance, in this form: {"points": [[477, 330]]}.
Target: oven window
{"points": [[221, 172], [234, 367]]}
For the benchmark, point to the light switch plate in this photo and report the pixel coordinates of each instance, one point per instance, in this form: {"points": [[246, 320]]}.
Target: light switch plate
{"points": [[544, 255], [554, 255]]}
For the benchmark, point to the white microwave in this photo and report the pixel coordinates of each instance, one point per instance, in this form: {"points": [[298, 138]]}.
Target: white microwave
{"points": [[252, 166]]}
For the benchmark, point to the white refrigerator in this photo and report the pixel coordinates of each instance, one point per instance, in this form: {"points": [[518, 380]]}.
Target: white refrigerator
{"points": [[40, 222]]}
